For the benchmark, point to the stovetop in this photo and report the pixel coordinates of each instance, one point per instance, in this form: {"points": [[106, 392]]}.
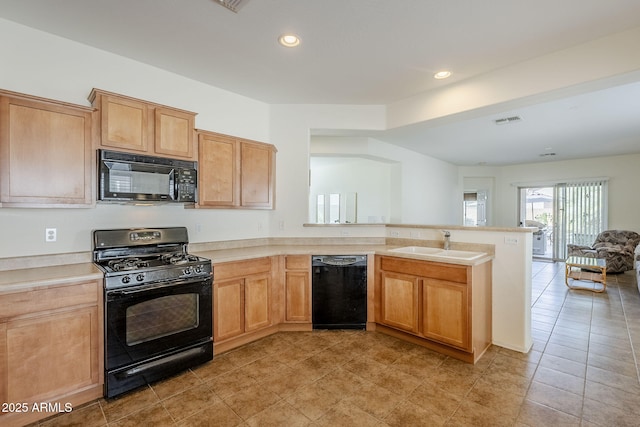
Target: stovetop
{"points": [[135, 257], [135, 264]]}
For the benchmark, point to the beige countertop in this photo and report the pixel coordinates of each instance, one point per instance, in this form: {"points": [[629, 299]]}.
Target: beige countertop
{"points": [[30, 278], [25, 279], [239, 254]]}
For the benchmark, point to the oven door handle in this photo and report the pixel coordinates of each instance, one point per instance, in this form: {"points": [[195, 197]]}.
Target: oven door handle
{"points": [[157, 285]]}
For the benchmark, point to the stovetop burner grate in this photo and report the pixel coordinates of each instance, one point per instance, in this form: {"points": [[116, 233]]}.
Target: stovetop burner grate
{"points": [[178, 258], [127, 264]]}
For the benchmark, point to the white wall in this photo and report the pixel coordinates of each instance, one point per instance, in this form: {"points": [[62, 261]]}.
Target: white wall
{"points": [[623, 173]]}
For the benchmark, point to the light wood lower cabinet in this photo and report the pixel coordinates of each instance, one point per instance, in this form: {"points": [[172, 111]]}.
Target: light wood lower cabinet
{"points": [[51, 350], [242, 300], [445, 316], [399, 296], [448, 306], [297, 283], [228, 309]]}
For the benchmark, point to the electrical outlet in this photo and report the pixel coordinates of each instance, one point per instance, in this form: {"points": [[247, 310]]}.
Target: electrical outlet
{"points": [[50, 234], [344, 233], [510, 240]]}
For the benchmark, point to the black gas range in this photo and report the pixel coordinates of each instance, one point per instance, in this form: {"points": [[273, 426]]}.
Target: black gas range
{"points": [[158, 301]]}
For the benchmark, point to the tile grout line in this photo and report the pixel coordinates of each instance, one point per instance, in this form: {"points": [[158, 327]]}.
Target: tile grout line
{"points": [[542, 352], [626, 320]]}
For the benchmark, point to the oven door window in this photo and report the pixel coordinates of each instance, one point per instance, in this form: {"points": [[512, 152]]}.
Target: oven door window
{"points": [[160, 317]]}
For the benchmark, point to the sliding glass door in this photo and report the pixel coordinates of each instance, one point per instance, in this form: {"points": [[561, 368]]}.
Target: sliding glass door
{"points": [[537, 209], [563, 213]]}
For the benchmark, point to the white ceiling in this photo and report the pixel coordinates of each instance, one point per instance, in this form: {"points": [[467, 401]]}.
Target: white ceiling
{"points": [[374, 52]]}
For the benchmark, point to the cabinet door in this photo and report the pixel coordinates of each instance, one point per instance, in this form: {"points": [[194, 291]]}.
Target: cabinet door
{"points": [[257, 302], [174, 132], [297, 288], [45, 153], [228, 318], [297, 296], [257, 177], [50, 355], [399, 301], [124, 123], [219, 171], [445, 315]]}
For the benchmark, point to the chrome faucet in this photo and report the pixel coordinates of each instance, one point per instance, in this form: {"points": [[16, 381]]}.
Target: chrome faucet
{"points": [[447, 238]]}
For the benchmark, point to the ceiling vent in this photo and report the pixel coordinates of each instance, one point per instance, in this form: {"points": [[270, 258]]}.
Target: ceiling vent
{"points": [[507, 120], [232, 5]]}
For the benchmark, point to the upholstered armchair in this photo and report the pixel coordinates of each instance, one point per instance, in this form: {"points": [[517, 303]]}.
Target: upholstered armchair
{"points": [[615, 246]]}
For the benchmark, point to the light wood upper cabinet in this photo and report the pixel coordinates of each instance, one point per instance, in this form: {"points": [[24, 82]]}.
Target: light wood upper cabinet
{"points": [[235, 172], [257, 175], [134, 125], [45, 152], [51, 348], [124, 122], [174, 133], [218, 170]]}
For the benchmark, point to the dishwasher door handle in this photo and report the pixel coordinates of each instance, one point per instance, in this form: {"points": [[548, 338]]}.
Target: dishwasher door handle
{"points": [[337, 261]]}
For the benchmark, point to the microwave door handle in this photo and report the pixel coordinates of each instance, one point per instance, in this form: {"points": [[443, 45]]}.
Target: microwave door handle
{"points": [[173, 184]]}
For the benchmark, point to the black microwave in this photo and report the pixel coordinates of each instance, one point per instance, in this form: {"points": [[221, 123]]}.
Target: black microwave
{"points": [[136, 178]]}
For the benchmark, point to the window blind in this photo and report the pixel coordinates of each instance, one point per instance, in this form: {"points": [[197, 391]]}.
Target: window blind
{"points": [[582, 210]]}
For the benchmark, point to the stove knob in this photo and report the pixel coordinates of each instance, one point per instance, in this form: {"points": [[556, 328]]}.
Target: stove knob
{"points": [[198, 269], [140, 277], [126, 279], [187, 270]]}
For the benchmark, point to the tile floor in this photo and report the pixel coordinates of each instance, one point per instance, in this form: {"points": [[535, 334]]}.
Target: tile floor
{"points": [[582, 370]]}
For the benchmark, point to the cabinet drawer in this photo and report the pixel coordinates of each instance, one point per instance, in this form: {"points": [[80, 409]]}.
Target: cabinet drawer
{"points": [[229, 270], [34, 301], [433, 270], [297, 262]]}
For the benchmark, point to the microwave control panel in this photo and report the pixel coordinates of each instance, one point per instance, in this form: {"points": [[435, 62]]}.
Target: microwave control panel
{"points": [[187, 185]]}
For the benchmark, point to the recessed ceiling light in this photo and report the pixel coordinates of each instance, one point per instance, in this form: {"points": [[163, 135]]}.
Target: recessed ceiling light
{"points": [[442, 74], [289, 40]]}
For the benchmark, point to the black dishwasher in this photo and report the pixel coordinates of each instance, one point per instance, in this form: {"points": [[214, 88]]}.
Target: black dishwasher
{"points": [[339, 291]]}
